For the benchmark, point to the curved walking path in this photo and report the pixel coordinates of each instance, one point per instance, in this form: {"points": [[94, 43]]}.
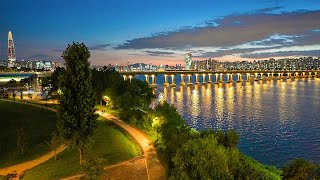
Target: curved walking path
{"points": [[147, 167], [153, 168], [20, 168]]}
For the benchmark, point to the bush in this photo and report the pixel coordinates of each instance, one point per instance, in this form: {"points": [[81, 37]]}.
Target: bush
{"points": [[298, 169], [201, 158], [93, 169], [172, 130], [229, 139]]}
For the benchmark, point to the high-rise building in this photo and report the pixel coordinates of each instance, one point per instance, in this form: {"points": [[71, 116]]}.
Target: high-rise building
{"points": [[11, 51], [188, 60]]}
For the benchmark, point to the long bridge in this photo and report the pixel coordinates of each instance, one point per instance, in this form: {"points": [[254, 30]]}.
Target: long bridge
{"points": [[208, 76], [34, 76]]}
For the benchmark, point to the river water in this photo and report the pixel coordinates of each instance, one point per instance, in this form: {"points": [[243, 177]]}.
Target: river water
{"points": [[277, 120]]}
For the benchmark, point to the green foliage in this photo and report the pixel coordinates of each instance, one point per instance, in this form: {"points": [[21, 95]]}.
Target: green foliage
{"points": [[205, 158], [228, 139], [298, 169], [104, 79], [54, 143], [78, 119], [21, 139], [133, 98], [45, 82], [12, 81], [93, 169], [172, 129], [201, 158], [56, 78]]}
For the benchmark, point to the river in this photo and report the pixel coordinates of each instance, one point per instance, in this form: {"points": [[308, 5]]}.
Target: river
{"points": [[277, 120]]}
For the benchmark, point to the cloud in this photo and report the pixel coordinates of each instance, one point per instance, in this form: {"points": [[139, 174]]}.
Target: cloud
{"points": [[99, 46], [268, 9], [40, 57], [159, 53], [313, 53], [250, 27], [58, 50]]}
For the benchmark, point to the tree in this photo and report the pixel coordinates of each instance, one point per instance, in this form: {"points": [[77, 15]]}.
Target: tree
{"points": [[132, 97], [54, 143], [202, 159], [77, 123], [21, 94], [21, 139], [103, 79], [30, 96], [298, 169], [173, 131], [93, 168], [56, 78], [14, 96], [229, 139]]}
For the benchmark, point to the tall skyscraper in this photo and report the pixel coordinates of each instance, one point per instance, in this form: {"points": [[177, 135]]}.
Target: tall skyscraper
{"points": [[11, 51], [188, 60]]}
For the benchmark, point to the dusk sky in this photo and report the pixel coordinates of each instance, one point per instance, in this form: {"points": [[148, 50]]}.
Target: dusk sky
{"points": [[161, 32]]}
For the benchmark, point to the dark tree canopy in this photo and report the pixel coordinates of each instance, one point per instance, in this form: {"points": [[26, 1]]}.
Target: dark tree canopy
{"points": [[104, 79], [56, 78], [78, 119], [298, 169]]}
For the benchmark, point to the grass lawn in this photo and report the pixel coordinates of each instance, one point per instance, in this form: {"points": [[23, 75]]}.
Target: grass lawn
{"points": [[110, 143], [38, 124], [49, 103]]}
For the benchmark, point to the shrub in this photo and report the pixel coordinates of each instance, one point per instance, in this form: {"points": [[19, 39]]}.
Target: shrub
{"points": [[298, 169]]}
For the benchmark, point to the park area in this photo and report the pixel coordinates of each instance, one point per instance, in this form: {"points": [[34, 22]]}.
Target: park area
{"points": [[27, 125], [110, 143]]}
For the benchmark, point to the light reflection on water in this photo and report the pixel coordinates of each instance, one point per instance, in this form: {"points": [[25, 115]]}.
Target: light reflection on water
{"points": [[278, 120]]}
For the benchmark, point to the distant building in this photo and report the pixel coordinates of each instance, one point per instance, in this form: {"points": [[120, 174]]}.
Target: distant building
{"points": [[188, 60], [11, 51]]}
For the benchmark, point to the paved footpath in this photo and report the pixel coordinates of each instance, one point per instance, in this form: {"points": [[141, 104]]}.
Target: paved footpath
{"points": [[153, 168], [20, 168], [147, 167]]}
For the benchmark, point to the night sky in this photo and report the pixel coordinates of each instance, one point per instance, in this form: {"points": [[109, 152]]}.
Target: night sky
{"points": [[161, 32]]}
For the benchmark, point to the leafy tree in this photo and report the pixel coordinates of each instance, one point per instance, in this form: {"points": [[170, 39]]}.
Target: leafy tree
{"points": [[56, 78], [173, 131], [12, 81], [201, 159], [54, 143], [14, 94], [30, 96], [78, 119], [21, 139], [298, 169], [103, 79], [44, 83], [132, 97], [229, 139], [93, 169]]}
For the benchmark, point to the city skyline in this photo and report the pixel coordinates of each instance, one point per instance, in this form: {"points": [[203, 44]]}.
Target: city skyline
{"points": [[162, 32]]}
